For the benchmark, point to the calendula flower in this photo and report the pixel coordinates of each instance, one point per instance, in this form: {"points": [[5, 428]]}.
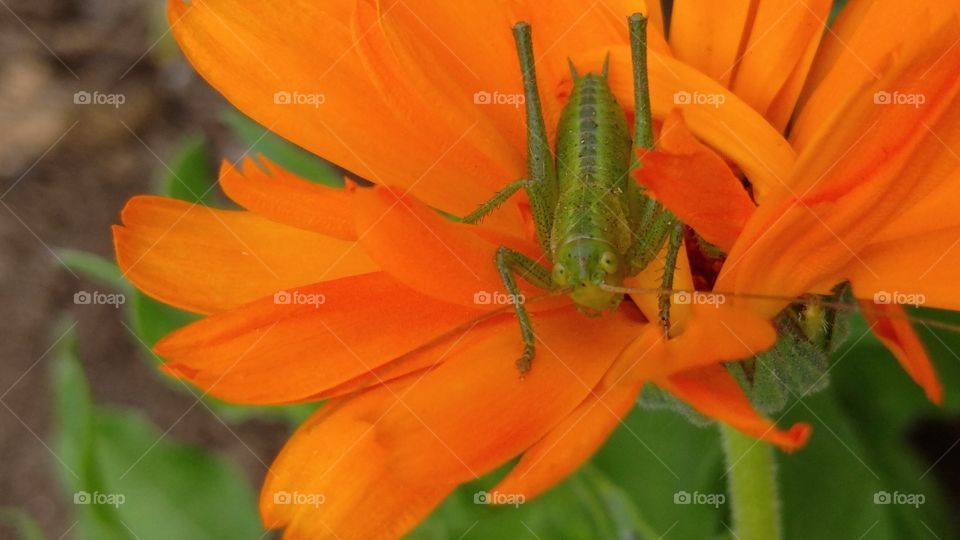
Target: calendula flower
{"points": [[372, 299]]}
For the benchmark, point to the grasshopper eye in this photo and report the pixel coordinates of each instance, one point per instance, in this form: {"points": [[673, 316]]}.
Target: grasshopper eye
{"points": [[559, 275], [609, 262]]}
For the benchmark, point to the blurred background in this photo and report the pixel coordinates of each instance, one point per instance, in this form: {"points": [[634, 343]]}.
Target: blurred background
{"points": [[97, 105], [66, 169]]}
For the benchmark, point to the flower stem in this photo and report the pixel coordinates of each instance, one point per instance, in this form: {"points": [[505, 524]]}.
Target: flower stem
{"points": [[752, 473]]}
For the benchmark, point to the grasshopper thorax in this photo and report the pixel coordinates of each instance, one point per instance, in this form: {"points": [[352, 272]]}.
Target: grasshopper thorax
{"points": [[584, 266]]}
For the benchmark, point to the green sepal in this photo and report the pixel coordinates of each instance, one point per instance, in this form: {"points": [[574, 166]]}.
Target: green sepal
{"points": [[799, 364], [795, 367], [654, 398]]}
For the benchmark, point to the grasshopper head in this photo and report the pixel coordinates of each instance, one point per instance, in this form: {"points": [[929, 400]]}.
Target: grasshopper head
{"points": [[584, 265]]}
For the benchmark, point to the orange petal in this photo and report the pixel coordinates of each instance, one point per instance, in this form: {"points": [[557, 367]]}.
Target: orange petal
{"points": [[891, 324], [436, 49], [402, 447], [846, 188], [206, 260], [286, 198], [332, 95], [714, 114], [923, 267], [923, 232], [427, 252], [709, 35], [781, 35], [867, 42], [934, 173], [300, 344], [784, 104], [713, 335], [696, 184], [655, 14], [717, 394], [571, 442]]}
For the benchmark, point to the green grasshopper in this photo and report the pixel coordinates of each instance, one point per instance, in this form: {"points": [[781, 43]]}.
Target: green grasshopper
{"points": [[594, 223]]}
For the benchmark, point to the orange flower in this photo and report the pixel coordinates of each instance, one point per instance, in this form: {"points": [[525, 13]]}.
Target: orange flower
{"points": [[867, 200], [368, 296]]}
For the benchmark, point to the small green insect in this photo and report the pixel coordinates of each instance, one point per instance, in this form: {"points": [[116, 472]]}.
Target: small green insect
{"points": [[593, 222]]}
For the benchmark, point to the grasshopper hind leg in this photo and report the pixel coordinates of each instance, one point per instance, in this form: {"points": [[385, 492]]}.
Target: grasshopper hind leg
{"points": [[510, 262]]}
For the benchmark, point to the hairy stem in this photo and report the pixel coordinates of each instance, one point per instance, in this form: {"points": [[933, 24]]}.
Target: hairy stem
{"points": [[752, 474]]}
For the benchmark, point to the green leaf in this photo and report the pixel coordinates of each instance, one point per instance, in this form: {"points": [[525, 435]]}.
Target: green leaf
{"points": [[157, 480], [282, 152], [93, 267], [151, 320], [653, 457], [126, 478], [190, 177], [657, 457], [587, 505], [860, 443]]}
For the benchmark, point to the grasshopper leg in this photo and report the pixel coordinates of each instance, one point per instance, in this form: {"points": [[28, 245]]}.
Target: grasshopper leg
{"points": [[499, 198], [508, 263], [654, 225], [674, 245], [647, 216], [542, 188], [643, 118]]}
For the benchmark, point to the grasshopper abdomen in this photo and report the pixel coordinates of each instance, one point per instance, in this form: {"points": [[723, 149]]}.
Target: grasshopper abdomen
{"points": [[590, 228]]}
